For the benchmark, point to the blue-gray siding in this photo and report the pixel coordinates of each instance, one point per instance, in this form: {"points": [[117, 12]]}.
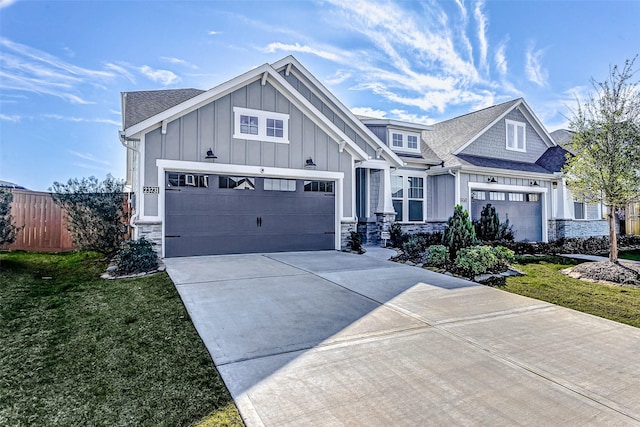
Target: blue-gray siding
{"points": [[211, 126], [492, 143]]}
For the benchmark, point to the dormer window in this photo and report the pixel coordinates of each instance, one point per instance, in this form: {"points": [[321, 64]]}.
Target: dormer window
{"points": [[516, 136], [404, 141], [259, 125]]}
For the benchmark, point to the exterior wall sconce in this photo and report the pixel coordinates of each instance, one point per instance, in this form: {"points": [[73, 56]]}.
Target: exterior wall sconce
{"points": [[555, 185], [534, 183], [308, 164], [492, 180], [210, 155]]}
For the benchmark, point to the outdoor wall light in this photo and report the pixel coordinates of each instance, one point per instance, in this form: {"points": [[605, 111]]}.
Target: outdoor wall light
{"points": [[534, 183], [210, 155], [554, 184], [492, 179], [309, 164]]}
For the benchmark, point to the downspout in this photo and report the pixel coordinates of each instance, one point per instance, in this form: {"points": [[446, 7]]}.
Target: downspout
{"points": [[124, 141]]}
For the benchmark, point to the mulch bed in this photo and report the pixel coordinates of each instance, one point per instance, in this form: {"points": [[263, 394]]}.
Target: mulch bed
{"points": [[625, 274]]}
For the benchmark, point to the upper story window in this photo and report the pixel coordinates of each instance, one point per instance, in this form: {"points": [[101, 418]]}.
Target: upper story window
{"points": [[258, 125], [397, 140], [516, 136], [404, 141]]}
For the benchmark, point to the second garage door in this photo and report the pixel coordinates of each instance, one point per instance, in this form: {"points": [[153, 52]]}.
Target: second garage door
{"points": [[221, 214], [524, 211]]}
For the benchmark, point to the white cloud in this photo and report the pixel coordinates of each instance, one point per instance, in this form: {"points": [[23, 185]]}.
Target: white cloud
{"points": [[276, 46], [214, 33], [164, 77], [501, 59], [179, 62], [338, 77], [533, 68], [405, 116], [90, 157], [369, 112], [121, 71], [5, 3], [75, 119], [481, 20], [14, 118]]}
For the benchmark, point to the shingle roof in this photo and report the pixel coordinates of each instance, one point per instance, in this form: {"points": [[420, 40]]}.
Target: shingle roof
{"points": [[487, 162], [139, 106], [553, 159], [448, 136]]}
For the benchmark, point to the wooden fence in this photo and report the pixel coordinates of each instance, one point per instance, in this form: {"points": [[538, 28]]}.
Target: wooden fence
{"points": [[44, 229]]}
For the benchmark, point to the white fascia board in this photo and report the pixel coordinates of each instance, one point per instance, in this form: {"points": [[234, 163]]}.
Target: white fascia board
{"points": [[540, 129], [505, 187], [489, 126], [397, 124], [225, 168], [199, 100], [509, 172], [329, 127], [346, 113]]}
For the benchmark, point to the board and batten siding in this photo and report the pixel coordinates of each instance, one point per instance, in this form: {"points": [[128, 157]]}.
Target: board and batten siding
{"points": [[211, 126], [329, 109], [492, 143], [440, 197]]}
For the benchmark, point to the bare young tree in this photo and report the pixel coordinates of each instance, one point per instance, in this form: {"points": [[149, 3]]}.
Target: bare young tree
{"points": [[606, 143]]}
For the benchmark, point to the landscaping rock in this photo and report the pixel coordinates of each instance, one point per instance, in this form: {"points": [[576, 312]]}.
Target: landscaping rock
{"points": [[625, 274]]}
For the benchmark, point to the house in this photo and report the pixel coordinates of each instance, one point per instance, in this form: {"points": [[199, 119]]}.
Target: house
{"points": [[272, 161]]}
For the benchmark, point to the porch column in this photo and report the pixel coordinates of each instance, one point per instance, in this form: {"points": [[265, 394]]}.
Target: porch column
{"points": [[385, 203]]}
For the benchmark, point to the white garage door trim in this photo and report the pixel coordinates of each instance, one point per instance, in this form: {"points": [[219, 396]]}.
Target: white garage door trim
{"points": [[220, 168], [515, 189]]}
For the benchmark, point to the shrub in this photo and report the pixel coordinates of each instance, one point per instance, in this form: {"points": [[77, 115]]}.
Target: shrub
{"points": [[398, 237], [505, 257], [436, 256], [489, 228], [414, 246], [459, 233], [355, 241], [476, 260], [8, 230], [136, 256], [94, 211]]}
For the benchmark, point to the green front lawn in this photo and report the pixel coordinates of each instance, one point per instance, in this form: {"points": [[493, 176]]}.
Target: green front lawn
{"points": [[632, 255], [78, 350], [545, 282]]}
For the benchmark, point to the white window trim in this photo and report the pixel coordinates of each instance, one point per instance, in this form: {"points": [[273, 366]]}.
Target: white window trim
{"points": [[405, 142], [515, 129], [262, 125], [405, 196]]}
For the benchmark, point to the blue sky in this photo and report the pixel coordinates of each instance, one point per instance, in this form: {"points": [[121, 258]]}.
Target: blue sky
{"points": [[63, 64]]}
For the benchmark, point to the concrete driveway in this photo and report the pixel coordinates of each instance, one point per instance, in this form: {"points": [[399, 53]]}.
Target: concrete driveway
{"points": [[329, 338]]}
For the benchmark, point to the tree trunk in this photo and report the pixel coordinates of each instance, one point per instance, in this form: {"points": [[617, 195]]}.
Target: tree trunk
{"points": [[613, 242]]}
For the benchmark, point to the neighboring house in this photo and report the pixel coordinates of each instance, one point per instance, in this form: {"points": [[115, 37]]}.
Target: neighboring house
{"points": [[272, 161]]}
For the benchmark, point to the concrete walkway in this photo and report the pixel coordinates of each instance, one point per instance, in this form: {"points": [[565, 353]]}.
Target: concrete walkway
{"points": [[329, 338]]}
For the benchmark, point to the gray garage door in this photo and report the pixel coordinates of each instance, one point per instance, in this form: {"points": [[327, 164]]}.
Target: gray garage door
{"points": [[524, 211], [220, 214]]}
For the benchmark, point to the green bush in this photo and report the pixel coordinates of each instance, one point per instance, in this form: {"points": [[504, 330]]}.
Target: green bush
{"points": [[459, 233], [95, 212], [489, 228], [398, 237], [8, 231], [414, 247], [436, 256], [476, 260], [355, 241], [136, 256]]}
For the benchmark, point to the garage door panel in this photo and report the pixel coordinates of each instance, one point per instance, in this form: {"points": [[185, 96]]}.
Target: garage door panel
{"points": [[525, 217], [211, 221]]}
